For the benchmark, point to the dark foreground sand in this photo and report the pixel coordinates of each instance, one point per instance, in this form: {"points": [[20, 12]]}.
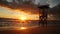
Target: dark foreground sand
{"points": [[55, 29]]}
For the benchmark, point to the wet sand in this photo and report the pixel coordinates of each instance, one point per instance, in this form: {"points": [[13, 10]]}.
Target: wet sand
{"points": [[55, 29]]}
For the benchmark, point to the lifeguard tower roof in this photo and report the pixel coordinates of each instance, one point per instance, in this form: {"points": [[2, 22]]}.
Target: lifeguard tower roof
{"points": [[44, 6]]}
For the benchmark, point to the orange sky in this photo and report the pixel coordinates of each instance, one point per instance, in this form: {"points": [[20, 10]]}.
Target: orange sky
{"points": [[9, 13]]}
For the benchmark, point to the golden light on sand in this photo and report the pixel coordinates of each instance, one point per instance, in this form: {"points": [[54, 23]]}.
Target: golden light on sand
{"points": [[22, 28]]}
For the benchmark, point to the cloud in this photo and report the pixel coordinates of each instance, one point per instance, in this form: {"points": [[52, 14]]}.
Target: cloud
{"points": [[9, 0], [53, 3]]}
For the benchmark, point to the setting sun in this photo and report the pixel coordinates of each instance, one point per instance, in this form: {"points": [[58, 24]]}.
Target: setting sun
{"points": [[23, 18]]}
